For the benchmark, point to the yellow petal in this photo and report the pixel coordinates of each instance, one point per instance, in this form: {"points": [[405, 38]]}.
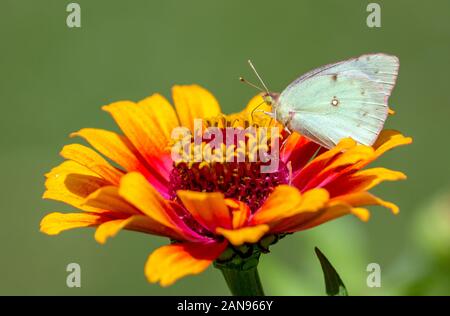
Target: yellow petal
{"points": [[170, 263], [163, 115], [71, 183], [110, 229], [365, 198], [108, 198], [254, 111], [362, 213], [54, 223], [194, 102], [93, 161], [209, 209], [138, 223], [113, 146], [249, 234], [369, 178], [256, 103]]}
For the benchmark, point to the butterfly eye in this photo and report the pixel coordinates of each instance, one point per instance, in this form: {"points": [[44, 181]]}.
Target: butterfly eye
{"points": [[268, 99]]}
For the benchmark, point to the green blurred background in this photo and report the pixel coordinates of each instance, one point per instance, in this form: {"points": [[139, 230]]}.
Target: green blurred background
{"points": [[53, 81]]}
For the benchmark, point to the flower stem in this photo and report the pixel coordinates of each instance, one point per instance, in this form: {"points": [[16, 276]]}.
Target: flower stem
{"points": [[243, 282], [241, 275]]}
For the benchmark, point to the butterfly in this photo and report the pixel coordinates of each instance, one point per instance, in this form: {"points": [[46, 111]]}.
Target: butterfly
{"points": [[345, 99]]}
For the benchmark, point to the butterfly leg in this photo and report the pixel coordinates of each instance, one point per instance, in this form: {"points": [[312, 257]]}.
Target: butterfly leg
{"points": [[289, 166], [287, 130], [271, 114]]}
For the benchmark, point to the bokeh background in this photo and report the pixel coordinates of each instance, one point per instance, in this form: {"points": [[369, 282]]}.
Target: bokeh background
{"points": [[53, 81]]}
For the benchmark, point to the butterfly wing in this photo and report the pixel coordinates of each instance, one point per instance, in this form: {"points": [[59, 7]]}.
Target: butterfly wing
{"points": [[346, 99]]}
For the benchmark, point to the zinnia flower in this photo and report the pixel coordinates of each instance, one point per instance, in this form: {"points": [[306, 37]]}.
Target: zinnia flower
{"points": [[207, 209]]}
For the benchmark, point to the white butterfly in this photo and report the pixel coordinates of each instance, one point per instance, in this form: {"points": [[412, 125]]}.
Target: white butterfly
{"points": [[345, 99]]}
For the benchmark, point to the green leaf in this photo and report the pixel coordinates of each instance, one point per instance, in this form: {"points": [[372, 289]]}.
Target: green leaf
{"points": [[333, 283]]}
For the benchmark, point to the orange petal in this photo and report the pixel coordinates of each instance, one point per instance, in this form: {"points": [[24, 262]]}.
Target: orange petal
{"points": [[249, 234], [209, 209], [71, 183], [350, 157], [109, 224], [308, 220], [298, 150], [240, 212], [108, 198], [93, 161], [170, 263], [286, 201], [389, 139], [138, 223], [119, 149], [194, 102], [54, 223], [135, 189], [142, 128], [340, 165], [317, 165], [363, 180], [365, 198], [335, 208], [283, 200], [152, 117]]}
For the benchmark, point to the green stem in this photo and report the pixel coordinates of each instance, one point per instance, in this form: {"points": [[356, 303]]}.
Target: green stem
{"points": [[243, 282], [241, 275]]}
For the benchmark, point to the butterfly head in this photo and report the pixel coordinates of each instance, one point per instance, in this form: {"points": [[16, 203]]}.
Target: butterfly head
{"points": [[270, 98]]}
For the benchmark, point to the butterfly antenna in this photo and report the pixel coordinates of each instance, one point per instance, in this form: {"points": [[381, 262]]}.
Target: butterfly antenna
{"points": [[257, 74], [241, 79]]}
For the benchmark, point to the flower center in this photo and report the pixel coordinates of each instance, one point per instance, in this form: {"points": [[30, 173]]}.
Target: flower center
{"points": [[237, 166], [242, 181]]}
